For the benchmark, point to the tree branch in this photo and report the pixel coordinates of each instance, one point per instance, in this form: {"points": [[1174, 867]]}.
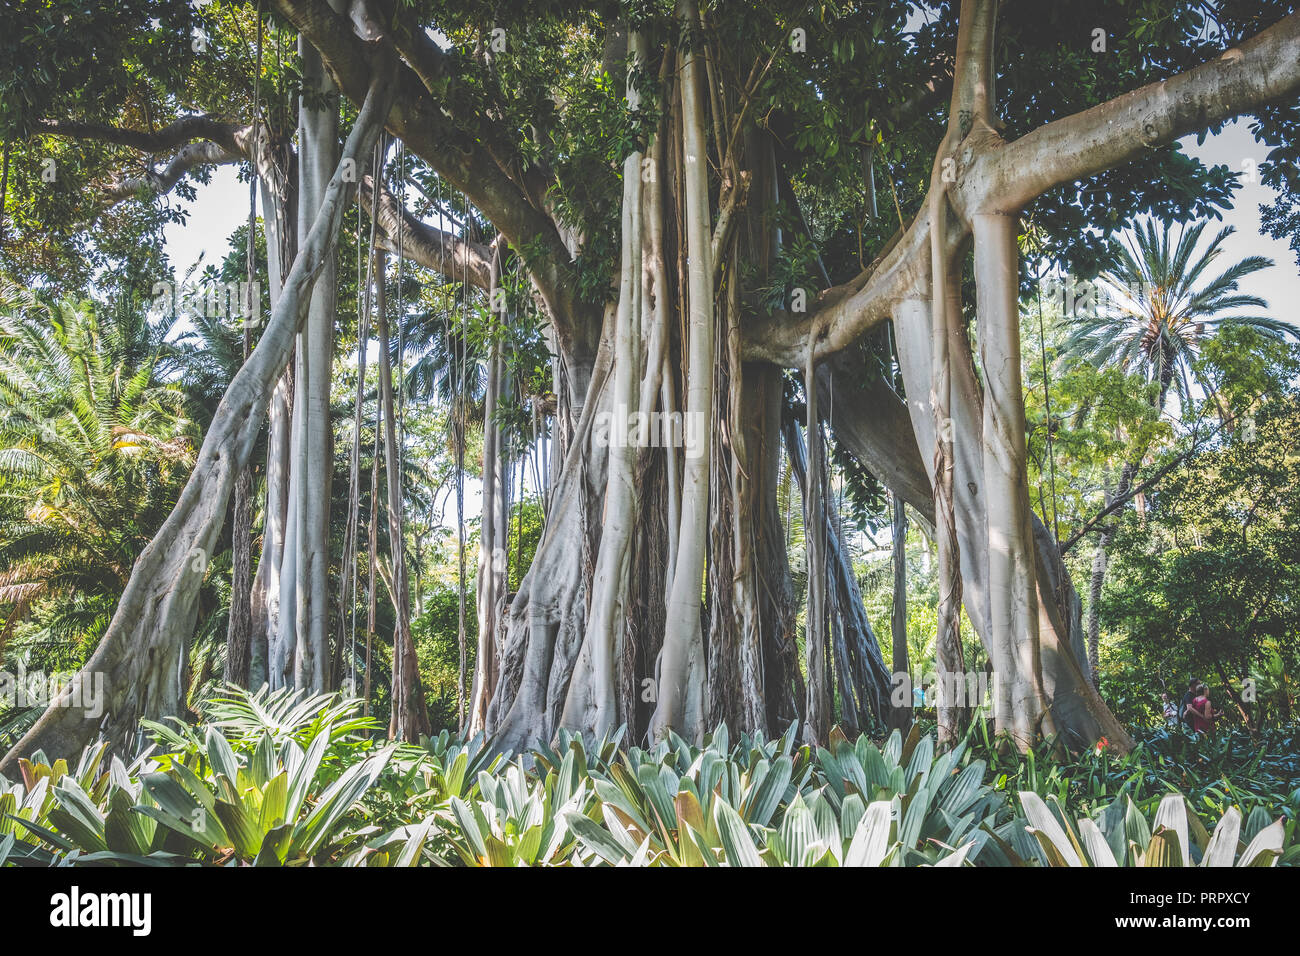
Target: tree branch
{"points": [[1263, 68], [222, 143], [443, 252], [184, 130], [458, 158], [159, 182], [1133, 492], [1002, 178]]}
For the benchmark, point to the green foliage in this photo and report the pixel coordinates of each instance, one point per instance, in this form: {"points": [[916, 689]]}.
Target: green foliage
{"points": [[95, 445], [1120, 835], [278, 779], [1207, 582], [436, 633], [1214, 773]]}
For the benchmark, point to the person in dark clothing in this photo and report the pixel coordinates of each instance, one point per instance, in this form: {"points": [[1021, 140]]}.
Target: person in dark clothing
{"points": [[1185, 705]]}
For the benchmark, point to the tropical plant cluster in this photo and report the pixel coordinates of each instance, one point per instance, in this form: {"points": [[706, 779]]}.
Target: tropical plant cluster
{"points": [[279, 779]]}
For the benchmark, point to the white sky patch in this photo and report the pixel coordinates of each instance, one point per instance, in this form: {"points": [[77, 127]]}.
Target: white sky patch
{"points": [[1280, 285]]}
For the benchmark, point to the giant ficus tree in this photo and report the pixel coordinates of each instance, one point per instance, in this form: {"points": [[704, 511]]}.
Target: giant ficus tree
{"points": [[669, 174]]}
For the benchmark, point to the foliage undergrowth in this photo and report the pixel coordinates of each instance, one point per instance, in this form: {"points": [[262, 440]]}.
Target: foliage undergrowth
{"points": [[282, 780]]}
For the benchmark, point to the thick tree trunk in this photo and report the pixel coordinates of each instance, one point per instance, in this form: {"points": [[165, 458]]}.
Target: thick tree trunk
{"points": [[682, 663], [592, 700], [1076, 709], [736, 678], [947, 337], [313, 462], [547, 618], [1013, 595], [279, 199], [239, 628]]}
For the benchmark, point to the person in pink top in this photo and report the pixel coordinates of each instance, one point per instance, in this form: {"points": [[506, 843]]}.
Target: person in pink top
{"points": [[1201, 711]]}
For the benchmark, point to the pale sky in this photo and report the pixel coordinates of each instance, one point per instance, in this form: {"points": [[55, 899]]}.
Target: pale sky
{"points": [[1280, 285]]}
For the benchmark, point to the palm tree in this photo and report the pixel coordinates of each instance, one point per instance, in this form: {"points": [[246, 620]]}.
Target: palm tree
{"points": [[1156, 315], [94, 448]]}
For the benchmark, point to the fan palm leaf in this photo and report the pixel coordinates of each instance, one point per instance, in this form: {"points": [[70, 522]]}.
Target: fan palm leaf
{"points": [[1158, 311]]}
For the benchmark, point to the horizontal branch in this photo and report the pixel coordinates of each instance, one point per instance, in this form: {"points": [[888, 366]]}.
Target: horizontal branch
{"points": [[218, 143], [159, 182], [1003, 177], [178, 133], [1262, 69], [443, 252], [843, 313]]}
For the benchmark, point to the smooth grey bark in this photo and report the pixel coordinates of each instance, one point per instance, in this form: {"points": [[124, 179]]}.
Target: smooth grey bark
{"points": [[591, 703], [492, 557], [547, 618], [1078, 711], [372, 558], [681, 668], [946, 338], [1006, 176], [1013, 593], [313, 463], [279, 201]]}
